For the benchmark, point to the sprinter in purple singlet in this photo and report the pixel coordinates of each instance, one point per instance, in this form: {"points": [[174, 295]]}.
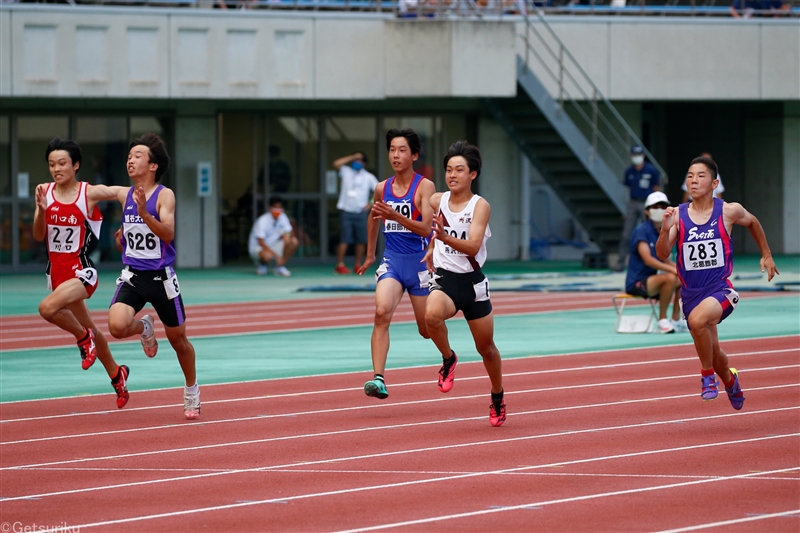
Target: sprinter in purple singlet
{"points": [[146, 240], [702, 230]]}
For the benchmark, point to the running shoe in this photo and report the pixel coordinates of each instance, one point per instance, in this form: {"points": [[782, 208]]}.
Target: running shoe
{"points": [[88, 350], [497, 414], [191, 405], [447, 375], [735, 394], [665, 326], [282, 271], [376, 388], [341, 269], [680, 325], [149, 343], [261, 270], [120, 384], [710, 391]]}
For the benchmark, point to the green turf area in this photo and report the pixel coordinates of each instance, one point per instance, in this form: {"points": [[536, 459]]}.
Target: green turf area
{"points": [[275, 355]]}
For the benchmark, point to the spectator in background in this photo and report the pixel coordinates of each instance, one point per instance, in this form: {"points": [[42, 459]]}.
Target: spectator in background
{"points": [[357, 186], [643, 277], [717, 192], [641, 178], [280, 175], [272, 238], [748, 8]]}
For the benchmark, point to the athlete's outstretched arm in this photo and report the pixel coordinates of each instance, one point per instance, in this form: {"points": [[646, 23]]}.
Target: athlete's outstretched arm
{"points": [[737, 214], [669, 233], [165, 228], [373, 226], [472, 245], [436, 199]]}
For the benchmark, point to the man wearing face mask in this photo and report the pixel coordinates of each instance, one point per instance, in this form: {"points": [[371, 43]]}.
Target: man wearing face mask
{"points": [[272, 238], [643, 277], [641, 178], [355, 193]]}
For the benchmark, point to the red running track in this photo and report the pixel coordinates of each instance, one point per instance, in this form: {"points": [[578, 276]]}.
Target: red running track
{"points": [[607, 441], [24, 332]]}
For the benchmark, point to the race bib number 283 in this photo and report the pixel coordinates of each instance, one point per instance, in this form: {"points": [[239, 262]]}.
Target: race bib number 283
{"points": [[702, 255]]}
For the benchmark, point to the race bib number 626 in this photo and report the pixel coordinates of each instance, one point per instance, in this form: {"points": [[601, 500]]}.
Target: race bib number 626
{"points": [[702, 255]]}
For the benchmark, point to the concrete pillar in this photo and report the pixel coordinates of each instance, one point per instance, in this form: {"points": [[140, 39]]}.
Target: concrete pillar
{"points": [[500, 185], [197, 232], [791, 180]]}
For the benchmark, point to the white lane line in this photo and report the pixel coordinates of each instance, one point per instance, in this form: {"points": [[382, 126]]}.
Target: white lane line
{"points": [[450, 478], [293, 414], [450, 446], [351, 389], [792, 513], [551, 502]]}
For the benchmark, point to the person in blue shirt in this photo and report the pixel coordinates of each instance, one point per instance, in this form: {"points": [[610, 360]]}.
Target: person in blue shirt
{"points": [[764, 8], [643, 278], [641, 178]]}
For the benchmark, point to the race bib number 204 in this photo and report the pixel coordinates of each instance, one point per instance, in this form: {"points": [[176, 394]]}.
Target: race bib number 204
{"points": [[702, 255]]}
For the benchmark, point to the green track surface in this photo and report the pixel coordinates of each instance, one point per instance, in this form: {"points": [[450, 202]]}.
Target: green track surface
{"points": [[314, 352]]}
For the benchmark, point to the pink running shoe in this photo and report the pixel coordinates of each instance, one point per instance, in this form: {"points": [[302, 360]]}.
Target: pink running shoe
{"points": [[88, 349], [497, 414], [149, 343], [447, 375]]}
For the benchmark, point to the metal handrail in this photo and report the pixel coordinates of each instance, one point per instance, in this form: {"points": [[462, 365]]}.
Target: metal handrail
{"points": [[613, 123]]}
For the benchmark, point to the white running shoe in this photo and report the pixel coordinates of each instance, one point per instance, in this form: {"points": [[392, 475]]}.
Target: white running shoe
{"points": [[680, 325], [261, 270], [191, 405], [282, 271], [149, 343], [665, 326]]}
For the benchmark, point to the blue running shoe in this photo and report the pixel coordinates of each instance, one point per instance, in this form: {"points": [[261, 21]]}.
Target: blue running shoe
{"points": [[376, 388], [710, 391], [735, 394]]}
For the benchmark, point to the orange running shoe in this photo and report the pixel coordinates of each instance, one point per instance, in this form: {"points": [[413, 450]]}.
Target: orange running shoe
{"points": [[447, 375], [497, 414]]}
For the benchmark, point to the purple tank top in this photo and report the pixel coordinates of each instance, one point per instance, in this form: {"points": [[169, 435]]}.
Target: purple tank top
{"points": [[705, 251], [141, 248]]}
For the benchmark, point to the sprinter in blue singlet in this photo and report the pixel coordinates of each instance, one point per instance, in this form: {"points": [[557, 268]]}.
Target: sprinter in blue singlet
{"points": [[402, 202]]}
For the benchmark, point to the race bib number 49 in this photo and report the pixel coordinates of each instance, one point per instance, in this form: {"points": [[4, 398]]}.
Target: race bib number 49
{"points": [[141, 243], [702, 255]]}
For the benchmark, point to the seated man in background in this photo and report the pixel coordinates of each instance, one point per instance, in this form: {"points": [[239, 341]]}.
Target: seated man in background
{"points": [[272, 238], [643, 278]]}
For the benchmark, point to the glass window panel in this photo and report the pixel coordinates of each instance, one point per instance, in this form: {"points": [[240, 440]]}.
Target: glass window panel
{"points": [[141, 125], [426, 128], [5, 234], [5, 156], [34, 133], [30, 250], [304, 216], [293, 155], [347, 135]]}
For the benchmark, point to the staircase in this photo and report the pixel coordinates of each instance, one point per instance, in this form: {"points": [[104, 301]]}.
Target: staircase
{"points": [[570, 132]]}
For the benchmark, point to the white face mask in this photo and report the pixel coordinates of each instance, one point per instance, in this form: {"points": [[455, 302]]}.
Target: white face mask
{"points": [[657, 215], [637, 160]]}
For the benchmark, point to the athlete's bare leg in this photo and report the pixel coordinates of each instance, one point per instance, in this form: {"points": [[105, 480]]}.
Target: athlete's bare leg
{"points": [[439, 308], [703, 325], [54, 308], [122, 321], [185, 351], [418, 303], [388, 294], [81, 312], [483, 333]]}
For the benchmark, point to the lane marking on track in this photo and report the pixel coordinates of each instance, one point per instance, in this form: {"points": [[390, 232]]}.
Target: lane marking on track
{"points": [[793, 514], [553, 502], [350, 389], [450, 478], [450, 446], [294, 414]]}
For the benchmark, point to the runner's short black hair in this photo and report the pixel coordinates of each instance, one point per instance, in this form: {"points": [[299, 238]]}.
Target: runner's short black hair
{"points": [[158, 152], [469, 152], [414, 141], [709, 163], [71, 147]]}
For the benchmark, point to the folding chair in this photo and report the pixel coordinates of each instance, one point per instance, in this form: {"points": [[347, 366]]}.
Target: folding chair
{"points": [[634, 323]]}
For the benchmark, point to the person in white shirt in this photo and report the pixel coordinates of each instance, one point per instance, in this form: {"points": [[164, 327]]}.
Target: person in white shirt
{"points": [[272, 238], [354, 204], [717, 192]]}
